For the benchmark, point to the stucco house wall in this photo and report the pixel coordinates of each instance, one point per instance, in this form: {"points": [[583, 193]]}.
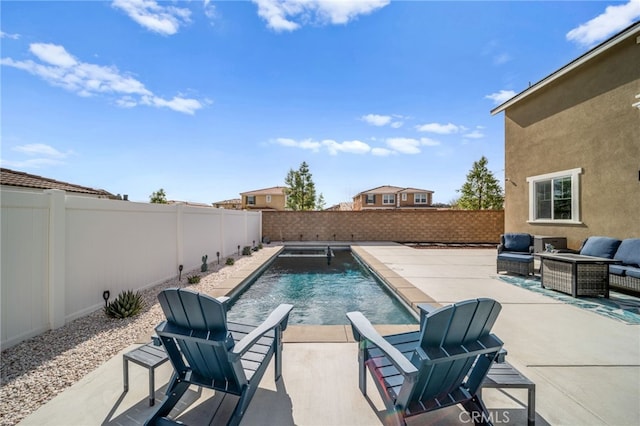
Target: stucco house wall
{"points": [[581, 120]]}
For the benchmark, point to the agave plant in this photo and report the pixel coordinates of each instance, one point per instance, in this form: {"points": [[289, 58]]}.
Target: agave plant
{"points": [[193, 279], [127, 304]]}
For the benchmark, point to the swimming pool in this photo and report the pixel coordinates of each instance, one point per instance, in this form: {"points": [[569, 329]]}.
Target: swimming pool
{"points": [[321, 292]]}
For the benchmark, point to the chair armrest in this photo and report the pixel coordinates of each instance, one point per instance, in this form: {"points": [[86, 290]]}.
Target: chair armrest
{"points": [[363, 330], [500, 248], [425, 309], [223, 299], [278, 317], [502, 354]]}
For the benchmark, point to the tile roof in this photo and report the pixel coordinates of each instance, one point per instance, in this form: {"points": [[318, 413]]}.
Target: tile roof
{"points": [[275, 190], [388, 189], [25, 180]]}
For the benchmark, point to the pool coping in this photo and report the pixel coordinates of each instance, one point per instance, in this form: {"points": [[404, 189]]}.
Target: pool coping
{"points": [[406, 291]]}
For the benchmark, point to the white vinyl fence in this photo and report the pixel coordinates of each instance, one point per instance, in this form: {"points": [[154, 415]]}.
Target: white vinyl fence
{"points": [[60, 252]]}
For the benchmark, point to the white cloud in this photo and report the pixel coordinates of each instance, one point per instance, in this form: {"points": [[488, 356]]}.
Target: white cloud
{"points": [[289, 15], [404, 145], [441, 129], [40, 149], [165, 20], [475, 134], [614, 19], [31, 163], [53, 54], [393, 146], [383, 120], [376, 120], [429, 142], [304, 144], [501, 96], [210, 9], [409, 145], [40, 155], [59, 68], [382, 152], [180, 104], [353, 147], [11, 36]]}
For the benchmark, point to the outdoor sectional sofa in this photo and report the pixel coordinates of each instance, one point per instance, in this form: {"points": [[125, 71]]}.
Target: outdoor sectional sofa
{"points": [[624, 275], [515, 254]]}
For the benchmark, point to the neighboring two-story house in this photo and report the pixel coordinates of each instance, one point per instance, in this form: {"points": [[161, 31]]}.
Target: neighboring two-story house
{"points": [[572, 147], [265, 199], [392, 197]]}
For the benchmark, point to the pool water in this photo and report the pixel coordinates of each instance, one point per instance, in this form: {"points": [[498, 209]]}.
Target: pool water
{"points": [[321, 293]]}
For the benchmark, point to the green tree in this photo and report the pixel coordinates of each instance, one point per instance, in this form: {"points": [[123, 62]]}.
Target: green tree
{"points": [[301, 191], [320, 202], [482, 190], [158, 197]]}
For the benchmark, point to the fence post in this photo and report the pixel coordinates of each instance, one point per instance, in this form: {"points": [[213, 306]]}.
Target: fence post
{"points": [[57, 257], [180, 233], [223, 250]]}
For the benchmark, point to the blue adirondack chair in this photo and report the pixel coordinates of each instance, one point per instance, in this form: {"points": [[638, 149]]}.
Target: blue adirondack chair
{"points": [[208, 351], [441, 365]]}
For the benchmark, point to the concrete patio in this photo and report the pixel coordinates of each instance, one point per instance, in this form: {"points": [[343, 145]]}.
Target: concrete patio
{"points": [[586, 367]]}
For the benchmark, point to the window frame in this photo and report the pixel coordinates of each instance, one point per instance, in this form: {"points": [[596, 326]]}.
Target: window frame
{"points": [[422, 195], [251, 200], [268, 199], [574, 174], [387, 197], [370, 199]]}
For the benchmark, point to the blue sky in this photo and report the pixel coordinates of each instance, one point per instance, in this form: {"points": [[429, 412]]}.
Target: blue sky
{"points": [[208, 99]]}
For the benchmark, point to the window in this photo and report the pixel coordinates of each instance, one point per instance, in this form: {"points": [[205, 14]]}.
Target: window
{"points": [[268, 199], [420, 198], [388, 199], [251, 200], [404, 196], [555, 197], [371, 199]]}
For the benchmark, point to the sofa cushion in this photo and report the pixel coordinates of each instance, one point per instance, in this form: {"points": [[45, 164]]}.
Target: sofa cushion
{"points": [[600, 247], [617, 269], [633, 272], [514, 257], [517, 242], [629, 252]]}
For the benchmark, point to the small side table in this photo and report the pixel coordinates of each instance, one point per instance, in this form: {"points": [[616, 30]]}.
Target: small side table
{"points": [[541, 241], [149, 356], [503, 375]]}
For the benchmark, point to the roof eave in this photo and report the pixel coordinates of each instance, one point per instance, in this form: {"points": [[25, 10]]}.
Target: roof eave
{"points": [[602, 47]]}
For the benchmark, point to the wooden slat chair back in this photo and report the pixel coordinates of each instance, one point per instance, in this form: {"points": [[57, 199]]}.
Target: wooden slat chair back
{"points": [[207, 350], [444, 364], [206, 357]]}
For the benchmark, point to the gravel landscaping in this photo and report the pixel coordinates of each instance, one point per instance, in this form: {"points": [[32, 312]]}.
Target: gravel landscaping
{"points": [[36, 370]]}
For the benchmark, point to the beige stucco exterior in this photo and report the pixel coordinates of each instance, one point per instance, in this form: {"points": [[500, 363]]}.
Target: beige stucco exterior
{"points": [[402, 198], [582, 119], [265, 199]]}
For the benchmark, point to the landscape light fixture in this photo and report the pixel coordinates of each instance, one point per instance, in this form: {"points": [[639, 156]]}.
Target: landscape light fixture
{"points": [[105, 296], [180, 267]]}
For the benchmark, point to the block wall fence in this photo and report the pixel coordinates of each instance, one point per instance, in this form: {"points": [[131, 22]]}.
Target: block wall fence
{"points": [[442, 226], [60, 252]]}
